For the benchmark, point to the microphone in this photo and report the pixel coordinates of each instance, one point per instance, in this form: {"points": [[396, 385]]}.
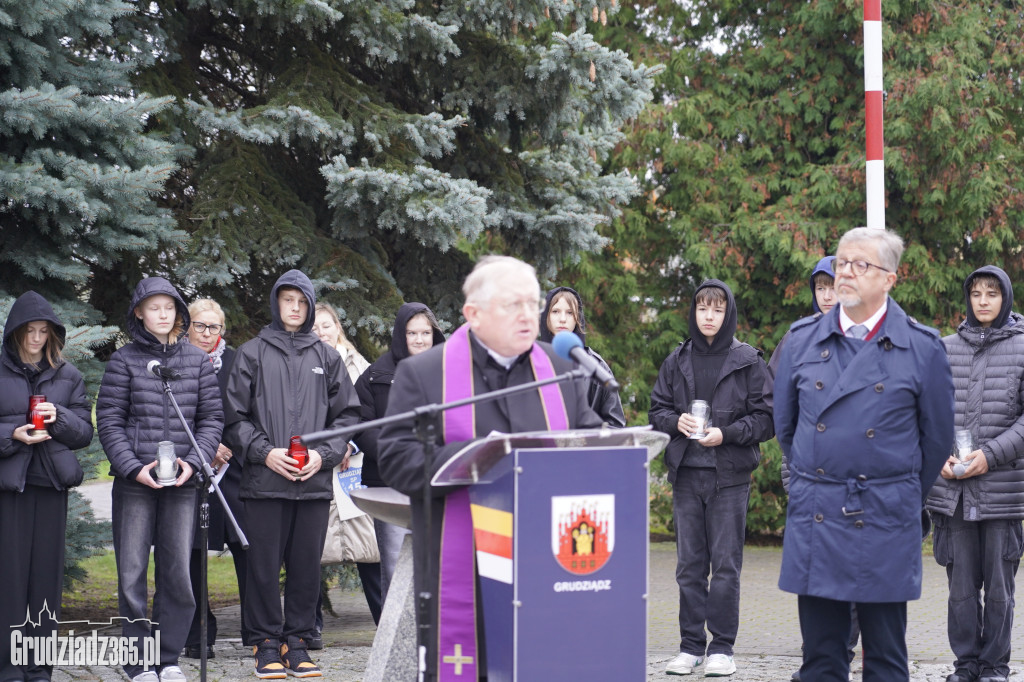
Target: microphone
{"points": [[567, 345], [160, 371]]}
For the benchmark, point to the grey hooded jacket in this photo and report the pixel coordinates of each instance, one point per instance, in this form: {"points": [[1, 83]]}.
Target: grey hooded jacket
{"points": [[988, 378]]}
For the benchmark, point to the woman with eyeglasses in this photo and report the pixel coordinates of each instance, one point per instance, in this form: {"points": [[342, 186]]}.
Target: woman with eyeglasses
{"points": [[207, 333], [37, 466]]}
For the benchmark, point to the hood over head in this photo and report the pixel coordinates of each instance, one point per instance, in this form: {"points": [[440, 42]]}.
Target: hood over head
{"points": [[399, 347], [151, 286], [581, 323], [1004, 285], [723, 339], [30, 307], [296, 279], [826, 265]]}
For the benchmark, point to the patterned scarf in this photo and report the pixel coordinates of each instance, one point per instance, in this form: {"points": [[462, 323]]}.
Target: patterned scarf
{"points": [[217, 354]]}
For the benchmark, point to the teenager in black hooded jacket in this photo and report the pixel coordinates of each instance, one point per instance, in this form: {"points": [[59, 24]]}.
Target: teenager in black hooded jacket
{"points": [[415, 331], [710, 476], [35, 472], [285, 383]]}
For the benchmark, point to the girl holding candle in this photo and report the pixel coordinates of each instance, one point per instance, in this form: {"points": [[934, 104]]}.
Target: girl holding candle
{"points": [[133, 415], [36, 471]]}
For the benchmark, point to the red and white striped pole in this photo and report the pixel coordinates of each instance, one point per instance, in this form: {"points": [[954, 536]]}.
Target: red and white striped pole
{"points": [[875, 170]]}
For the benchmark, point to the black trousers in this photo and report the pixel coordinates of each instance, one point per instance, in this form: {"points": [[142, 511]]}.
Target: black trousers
{"points": [[239, 557], [826, 624], [288, 532], [32, 526]]}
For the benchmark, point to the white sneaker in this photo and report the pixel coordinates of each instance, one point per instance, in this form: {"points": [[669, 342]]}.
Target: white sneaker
{"points": [[683, 664], [172, 673], [148, 676], [719, 665]]}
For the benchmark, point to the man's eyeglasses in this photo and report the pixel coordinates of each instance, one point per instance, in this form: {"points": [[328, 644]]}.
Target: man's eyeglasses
{"points": [[214, 328], [532, 306], [859, 267]]}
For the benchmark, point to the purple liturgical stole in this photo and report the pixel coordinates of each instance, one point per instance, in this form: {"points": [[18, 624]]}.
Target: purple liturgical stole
{"points": [[456, 636]]}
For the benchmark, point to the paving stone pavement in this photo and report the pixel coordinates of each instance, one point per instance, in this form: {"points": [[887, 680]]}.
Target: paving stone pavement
{"points": [[767, 648]]}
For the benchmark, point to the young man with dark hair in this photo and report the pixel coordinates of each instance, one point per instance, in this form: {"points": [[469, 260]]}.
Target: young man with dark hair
{"points": [[285, 383], [711, 475], [977, 513]]}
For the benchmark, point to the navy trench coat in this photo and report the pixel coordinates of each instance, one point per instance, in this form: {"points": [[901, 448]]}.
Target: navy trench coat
{"points": [[864, 444]]}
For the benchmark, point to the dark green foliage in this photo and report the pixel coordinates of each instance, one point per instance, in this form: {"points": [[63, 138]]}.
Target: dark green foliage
{"points": [[77, 179], [376, 143], [753, 164]]}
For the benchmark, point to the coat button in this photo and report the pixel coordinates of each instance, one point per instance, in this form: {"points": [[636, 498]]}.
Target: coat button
{"points": [[820, 472], [824, 353], [862, 477], [870, 433], [821, 427], [879, 388], [818, 518], [819, 384], [887, 345], [858, 524]]}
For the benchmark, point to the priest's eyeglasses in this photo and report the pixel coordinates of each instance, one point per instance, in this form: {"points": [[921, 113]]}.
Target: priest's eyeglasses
{"points": [[531, 306]]}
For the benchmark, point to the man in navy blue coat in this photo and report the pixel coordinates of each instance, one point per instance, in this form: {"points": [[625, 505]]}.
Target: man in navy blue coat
{"points": [[864, 415]]}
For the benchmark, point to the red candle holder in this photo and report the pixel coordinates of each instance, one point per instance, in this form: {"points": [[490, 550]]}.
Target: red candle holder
{"points": [[298, 451], [36, 418]]}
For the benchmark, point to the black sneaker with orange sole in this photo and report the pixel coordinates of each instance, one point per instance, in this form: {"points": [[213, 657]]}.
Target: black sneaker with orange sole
{"points": [[296, 659], [268, 661]]}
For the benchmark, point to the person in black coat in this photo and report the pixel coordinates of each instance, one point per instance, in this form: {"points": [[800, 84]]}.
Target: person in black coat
{"points": [[133, 416], [35, 472], [563, 312], [415, 331], [710, 474], [496, 348], [285, 383], [207, 333]]}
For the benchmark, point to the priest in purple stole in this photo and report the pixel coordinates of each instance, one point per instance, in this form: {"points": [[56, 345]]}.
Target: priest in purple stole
{"points": [[496, 348]]}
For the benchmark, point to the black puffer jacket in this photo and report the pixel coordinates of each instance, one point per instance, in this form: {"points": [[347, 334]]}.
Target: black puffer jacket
{"points": [[602, 399], [62, 385], [286, 384], [374, 386], [132, 412], [988, 382]]}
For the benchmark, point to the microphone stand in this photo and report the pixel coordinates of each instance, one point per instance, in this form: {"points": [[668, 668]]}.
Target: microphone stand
{"points": [[203, 480], [425, 426]]}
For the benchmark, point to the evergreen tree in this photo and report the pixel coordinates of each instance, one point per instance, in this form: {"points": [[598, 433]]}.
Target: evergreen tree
{"points": [[380, 144], [753, 160], [77, 178]]}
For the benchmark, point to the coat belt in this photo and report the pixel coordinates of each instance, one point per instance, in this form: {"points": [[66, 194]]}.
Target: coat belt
{"points": [[854, 486]]}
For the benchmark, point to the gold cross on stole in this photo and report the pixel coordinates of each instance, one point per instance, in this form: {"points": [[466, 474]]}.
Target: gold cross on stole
{"points": [[458, 659]]}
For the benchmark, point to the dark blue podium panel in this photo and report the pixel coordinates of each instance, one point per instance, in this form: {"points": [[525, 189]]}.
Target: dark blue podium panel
{"points": [[562, 547]]}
